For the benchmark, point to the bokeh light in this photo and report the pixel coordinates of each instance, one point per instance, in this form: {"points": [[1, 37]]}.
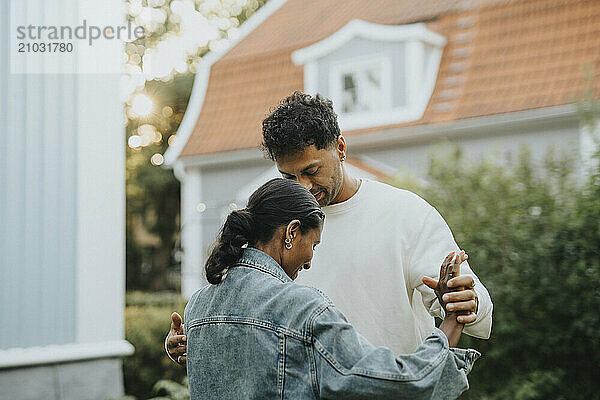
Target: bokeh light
{"points": [[134, 141], [157, 159], [141, 105]]}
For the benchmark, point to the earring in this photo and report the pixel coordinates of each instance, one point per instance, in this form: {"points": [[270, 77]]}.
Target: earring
{"points": [[343, 158], [288, 244]]}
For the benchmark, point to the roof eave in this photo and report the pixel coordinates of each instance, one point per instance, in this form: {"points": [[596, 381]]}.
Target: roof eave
{"points": [[465, 127], [408, 135]]}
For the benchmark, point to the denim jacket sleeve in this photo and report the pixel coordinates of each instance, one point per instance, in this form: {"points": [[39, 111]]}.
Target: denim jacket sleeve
{"points": [[348, 366]]}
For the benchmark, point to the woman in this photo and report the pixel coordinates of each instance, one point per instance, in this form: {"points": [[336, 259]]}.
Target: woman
{"points": [[255, 334]]}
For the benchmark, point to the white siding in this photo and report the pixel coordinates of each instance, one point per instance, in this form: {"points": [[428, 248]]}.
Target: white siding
{"points": [[37, 210], [62, 201], [501, 144]]}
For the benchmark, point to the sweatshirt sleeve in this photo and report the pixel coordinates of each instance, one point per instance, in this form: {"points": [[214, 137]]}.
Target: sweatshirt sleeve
{"points": [[348, 366], [431, 245]]}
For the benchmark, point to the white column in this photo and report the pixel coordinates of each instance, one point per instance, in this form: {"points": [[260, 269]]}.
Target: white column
{"points": [[100, 191], [192, 276], [311, 77], [100, 210], [589, 142], [415, 54]]}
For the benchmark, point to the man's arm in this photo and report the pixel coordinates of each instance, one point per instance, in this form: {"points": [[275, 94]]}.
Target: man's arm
{"points": [[176, 341], [431, 245]]}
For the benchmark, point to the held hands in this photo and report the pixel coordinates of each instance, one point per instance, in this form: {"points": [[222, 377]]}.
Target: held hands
{"points": [[454, 292], [176, 341]]}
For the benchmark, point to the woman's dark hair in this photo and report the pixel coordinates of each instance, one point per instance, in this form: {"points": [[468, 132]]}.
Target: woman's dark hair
{"points": [[300, 120], [272, 205]]}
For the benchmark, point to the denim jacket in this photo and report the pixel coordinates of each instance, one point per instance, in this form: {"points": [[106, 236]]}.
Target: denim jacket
{"points": [[259, 335]]}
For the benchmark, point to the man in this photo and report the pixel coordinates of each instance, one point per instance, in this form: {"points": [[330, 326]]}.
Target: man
{"points": [[381, 246]]}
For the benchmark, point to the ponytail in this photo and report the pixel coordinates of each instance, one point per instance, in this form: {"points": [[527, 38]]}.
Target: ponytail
{"points": [[271, 206], [236, 232]]}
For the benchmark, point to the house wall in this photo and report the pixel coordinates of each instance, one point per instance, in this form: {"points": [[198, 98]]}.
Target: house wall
{"points": [[219, 188], [85, 380], [221, 184], [62, 206], [501, 144], [214, 188], [38, 199]]}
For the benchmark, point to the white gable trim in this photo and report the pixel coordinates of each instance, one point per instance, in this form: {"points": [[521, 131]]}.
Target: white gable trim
{"points": [[222, 158], [200, 85], [367, 30]]}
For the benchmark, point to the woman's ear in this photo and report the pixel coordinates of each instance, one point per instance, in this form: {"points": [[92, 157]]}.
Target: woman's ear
{"points": [[292, 229]]}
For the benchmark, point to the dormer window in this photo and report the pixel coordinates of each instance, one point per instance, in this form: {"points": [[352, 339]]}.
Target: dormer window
{"points": [[375, 74], [360, 86]]}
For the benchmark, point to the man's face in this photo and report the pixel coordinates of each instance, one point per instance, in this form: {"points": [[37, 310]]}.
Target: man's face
{"points": [[319, 171]]}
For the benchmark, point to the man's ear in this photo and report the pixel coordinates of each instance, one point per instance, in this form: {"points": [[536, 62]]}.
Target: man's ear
{"points": [[292, 229], [340, 146]]}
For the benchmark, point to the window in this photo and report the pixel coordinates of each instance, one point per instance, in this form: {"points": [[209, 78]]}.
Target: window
{"points": [[361, 90], [361, 86]]}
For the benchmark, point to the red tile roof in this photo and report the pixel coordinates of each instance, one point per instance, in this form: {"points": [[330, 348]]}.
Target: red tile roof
{"points": [[501, 56]]}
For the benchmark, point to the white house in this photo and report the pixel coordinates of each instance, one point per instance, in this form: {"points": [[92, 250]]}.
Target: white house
{"points": [[490, 76], [62, 206]]}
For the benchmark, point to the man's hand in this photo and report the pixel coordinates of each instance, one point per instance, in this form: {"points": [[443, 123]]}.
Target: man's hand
{"points": [[454, 292], [176, 341]]}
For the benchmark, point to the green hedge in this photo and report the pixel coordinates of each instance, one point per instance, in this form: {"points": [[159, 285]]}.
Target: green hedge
{"points": [[147, 319], [532, 233]]}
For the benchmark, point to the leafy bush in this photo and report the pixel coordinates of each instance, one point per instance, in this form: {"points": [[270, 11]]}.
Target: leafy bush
{"points": [[147, 319], [169, 390], [533, 237]]}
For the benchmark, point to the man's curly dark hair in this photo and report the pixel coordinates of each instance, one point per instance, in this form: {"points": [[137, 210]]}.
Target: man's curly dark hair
{"points": [[300, 120]]}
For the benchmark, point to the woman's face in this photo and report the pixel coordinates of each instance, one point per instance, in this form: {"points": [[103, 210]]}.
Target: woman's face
{"points": [[299, 256]]}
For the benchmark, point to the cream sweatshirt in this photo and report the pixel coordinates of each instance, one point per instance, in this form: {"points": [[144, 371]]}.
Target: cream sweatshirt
{"points": [[375, 248]]}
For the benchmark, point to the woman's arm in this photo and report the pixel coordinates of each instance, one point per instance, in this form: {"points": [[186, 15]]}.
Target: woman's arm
{"points": [[347, 365], [452, 329]]}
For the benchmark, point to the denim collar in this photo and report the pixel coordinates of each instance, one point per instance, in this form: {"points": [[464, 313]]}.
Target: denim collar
{"points": [[260, 260]]}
